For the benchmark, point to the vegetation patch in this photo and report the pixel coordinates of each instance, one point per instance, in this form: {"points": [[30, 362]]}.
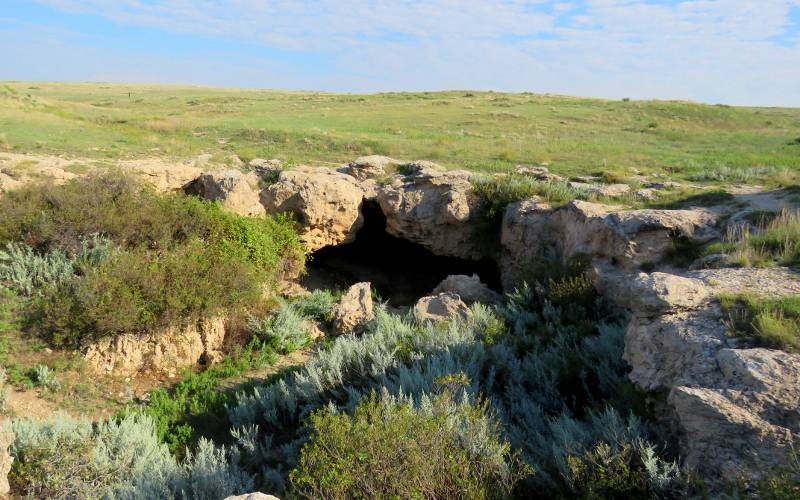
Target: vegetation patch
{"points": [[763, 321], [775, 242]]}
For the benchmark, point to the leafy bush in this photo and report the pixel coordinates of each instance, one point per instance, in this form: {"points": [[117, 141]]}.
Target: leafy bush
{"points": [[285, 330], [67, 458], [316, 306], [45, 378], [28, 272], [767, 322], [140, 290], [392, 449]]}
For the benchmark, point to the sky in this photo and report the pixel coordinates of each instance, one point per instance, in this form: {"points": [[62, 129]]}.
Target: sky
{"points": [[744, 52]]}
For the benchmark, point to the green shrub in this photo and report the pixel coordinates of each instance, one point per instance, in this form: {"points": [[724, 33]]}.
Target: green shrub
{"points": [[45, 378], [28, 272], [766, 322], [140, 290], [389, 449], [284, 330], [316, 306]]}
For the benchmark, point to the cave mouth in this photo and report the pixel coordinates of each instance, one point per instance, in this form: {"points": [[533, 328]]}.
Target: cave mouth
{"points": [[400, 271]]}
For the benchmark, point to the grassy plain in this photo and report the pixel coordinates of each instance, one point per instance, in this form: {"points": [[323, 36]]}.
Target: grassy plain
{"points": [[483, 131]]}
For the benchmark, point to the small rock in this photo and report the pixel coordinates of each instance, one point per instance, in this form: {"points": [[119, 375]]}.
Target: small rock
{"points": [[252, 496], [439, 307], [354, 310], [469, 288]]}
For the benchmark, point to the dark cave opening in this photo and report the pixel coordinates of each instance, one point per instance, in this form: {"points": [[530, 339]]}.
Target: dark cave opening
{"points": [[400, 271]]}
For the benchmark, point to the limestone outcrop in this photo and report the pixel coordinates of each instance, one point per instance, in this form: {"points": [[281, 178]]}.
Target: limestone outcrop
{"points": [[163, 176], [370, 167], [434, 208], [439, 307], [736, 411], [469, 288], [533, 233], [165, 351], [326, 204], [354, 310], [236, 191]]}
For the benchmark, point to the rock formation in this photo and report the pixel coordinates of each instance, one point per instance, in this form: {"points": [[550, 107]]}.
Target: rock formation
{"points": [[326, 204], [469, 288], [236, 191], [6, 440], [736, 411], [439, 307], [354, 310], [434, 208], [165, 351]]}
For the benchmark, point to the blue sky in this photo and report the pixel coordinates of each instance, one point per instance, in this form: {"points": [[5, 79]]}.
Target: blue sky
{"points": [[718, 51]]}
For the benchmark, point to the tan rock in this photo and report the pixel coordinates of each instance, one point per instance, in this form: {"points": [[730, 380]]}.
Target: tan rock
{"points": [[163, 176], [236, 191], [354, 310], [524, 236], [165, 351], [326, 204], [370, 167], [6, 440], [469, 288], [439, 307], [253, 496], [436, 209]]}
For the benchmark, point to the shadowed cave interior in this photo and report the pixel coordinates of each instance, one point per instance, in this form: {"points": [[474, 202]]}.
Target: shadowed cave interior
{"points": [[400, 271]]}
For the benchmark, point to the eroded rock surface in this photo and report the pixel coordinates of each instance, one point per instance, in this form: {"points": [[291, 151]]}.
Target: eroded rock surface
{"points": [[434, 208], [354, 310], [439, 307], [533, 233], [736, 411], [235, 190], [166, 351], [6, 440], [326, 204], [469, 288], [370, 167]]}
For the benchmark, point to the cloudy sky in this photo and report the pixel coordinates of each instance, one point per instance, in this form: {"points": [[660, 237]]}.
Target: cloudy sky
{"points": [[717, 51]]}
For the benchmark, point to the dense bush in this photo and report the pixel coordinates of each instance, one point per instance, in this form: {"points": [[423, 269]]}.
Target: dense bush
{"points": [[176, 257], [395, 449], [285, 330], [139, 290], [551, 379], [67, 458]]}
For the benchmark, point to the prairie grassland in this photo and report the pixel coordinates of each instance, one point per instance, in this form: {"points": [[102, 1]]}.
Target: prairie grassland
{"points": [[483, 131]]}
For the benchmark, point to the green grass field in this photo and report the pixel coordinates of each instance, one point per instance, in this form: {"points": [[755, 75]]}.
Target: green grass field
{"points": [[475, 130]]}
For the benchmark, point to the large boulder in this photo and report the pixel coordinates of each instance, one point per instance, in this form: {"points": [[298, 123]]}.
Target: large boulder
{"points": [[354, 310], [469, 288], [439, 307], [436, 209], [735, 410], [235, 190], [164, 351], [326, 204]]}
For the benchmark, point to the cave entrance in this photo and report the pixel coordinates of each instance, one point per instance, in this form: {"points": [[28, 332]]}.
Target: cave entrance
{"points": [[401, 271]]}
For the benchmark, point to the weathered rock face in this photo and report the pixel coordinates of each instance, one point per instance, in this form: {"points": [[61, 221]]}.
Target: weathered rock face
{"points": [[370, 167], [161, 175], [237, 191], [6, 440], [469, 288], [534, 233], [354, 310], [253, 496], [736, 411], [439, 307], [326, 204], [164, 352], [435, 209]]}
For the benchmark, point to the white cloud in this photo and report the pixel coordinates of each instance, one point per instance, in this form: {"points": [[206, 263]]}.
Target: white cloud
{"points": [[714, 50]]}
